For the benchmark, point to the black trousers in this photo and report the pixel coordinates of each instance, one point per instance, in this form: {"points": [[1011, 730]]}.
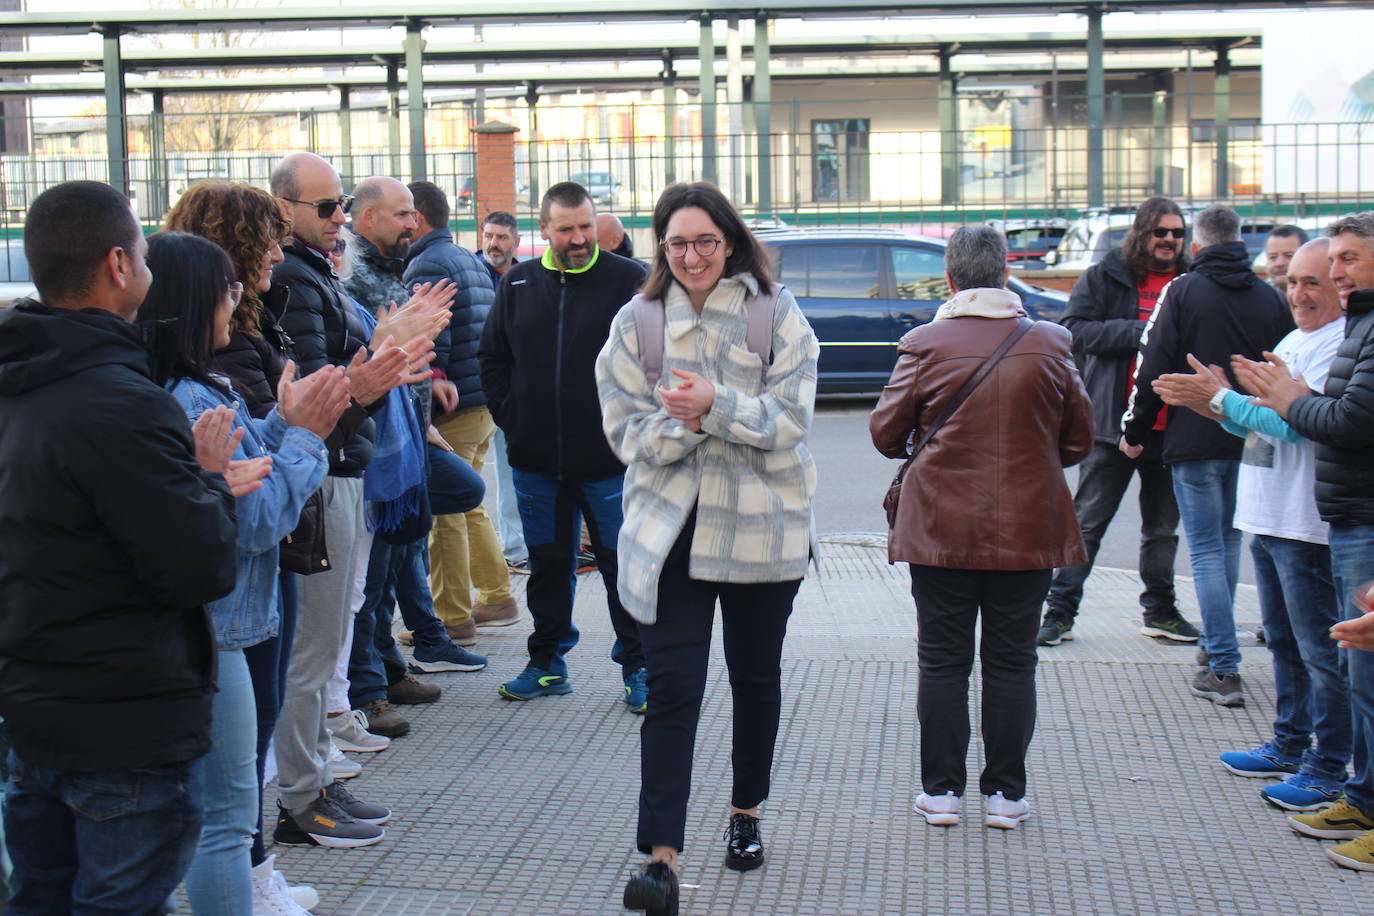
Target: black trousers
{"points": [[677, 648], [948, 602]]}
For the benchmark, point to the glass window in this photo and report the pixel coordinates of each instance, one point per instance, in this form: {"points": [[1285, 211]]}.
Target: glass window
{"points": [[843, 272], [789, 266], [919, 273]]}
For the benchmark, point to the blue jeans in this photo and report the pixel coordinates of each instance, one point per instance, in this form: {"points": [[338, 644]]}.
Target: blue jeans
{"points": [[220, 882], [396, 574], [454, 486], [507, 505], [1352, 561], [267, 662], [111, 842], [551, 513], [1206, 493], [1298, 605]]}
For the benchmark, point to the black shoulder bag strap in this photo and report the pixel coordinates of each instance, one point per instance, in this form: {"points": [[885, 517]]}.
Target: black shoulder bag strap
{"points": [[960, 396]]}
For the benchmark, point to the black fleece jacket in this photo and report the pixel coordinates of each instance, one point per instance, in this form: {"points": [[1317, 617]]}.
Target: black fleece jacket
{"points": [[538, 361], [1217, 309], [112, 539], [1341, 421]]}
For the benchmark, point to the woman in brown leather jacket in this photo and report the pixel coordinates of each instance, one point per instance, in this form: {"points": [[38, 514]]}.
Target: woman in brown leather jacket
{"points": [[984, 516]]}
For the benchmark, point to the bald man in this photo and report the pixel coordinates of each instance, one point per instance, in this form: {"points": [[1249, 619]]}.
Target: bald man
{"points": [[1298, 601], [611, 235]]}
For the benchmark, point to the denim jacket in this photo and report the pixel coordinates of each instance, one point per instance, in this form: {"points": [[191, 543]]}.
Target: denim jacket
{"points": [[250, 613]]}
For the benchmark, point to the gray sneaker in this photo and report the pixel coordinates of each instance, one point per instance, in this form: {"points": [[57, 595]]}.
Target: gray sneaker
{"points": [[1222, 689], [1170, 627], [324, 823], [355, 807]]}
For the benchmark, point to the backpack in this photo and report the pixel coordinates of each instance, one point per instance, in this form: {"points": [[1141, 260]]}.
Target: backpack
{"points": [[649, 330]]}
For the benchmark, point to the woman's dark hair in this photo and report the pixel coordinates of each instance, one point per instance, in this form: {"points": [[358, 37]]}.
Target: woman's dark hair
{"points": [[1135, 249], [747, 255], [190, 277]]}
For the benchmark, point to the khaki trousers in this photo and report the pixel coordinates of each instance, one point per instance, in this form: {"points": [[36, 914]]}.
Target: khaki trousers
{"points": [[464, 551]]}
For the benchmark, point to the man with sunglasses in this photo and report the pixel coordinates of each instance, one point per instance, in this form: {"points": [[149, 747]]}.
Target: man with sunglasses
{"points": [[1217, 309], [1110, 304], [538, 366]]}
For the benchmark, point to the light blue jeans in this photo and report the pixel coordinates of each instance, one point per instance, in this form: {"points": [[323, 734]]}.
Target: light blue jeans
{"points": [[1206, 493], [220, 880], [507, 504], [1352, 562]]}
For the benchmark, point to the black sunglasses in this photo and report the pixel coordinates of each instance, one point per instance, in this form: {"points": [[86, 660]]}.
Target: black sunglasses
{"points": [[1158, 233], [324, 208]]}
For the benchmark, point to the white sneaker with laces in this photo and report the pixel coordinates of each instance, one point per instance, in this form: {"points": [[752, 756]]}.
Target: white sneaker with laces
{"points": [[1005, 814], [350, 733], [270, 895], [341, 767], [939, 810], [304, 895]]}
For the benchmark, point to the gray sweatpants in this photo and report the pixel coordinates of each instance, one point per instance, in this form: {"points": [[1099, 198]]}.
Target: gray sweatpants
{"points": [[301, 738]]}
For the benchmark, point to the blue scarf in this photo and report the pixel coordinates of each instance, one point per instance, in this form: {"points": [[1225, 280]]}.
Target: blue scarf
{"points": [[394, 482]]}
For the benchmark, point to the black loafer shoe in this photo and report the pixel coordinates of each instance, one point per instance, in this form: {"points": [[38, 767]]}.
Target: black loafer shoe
{"points": [[743, 847], [654, 891]]}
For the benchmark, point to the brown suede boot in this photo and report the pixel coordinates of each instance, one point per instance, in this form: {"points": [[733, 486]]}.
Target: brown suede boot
{"points": [[500, 614], [462, 634]]}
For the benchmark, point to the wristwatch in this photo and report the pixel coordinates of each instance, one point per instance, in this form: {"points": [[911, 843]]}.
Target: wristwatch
{"points": [[1215, 405]]}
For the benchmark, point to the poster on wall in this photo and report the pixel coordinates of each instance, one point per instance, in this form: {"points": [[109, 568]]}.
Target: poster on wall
{"points": [[1318, 128]]}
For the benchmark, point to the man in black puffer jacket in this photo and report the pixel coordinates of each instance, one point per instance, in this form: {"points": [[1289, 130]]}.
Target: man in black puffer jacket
{"points": [[112, 539], [538, 355], [1217, 309], [1341, 422]]}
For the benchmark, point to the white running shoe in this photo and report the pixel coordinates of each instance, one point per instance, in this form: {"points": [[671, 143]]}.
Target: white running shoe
{"points": [[304, 896], [350, 733], [341, 767], [270, 894], [1004, 813], [940, 810]]}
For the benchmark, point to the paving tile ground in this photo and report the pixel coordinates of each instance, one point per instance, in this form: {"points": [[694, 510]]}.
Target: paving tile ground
{"points": [[529, 808]]}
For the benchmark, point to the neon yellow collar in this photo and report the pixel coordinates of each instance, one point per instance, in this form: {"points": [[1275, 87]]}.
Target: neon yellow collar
{"points": [[547, 261]]}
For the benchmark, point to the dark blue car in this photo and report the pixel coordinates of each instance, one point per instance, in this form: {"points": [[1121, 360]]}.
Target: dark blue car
{"points": [[863, 289]]}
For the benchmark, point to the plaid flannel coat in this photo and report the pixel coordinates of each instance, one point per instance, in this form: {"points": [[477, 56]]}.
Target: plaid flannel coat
{"points": [[748, 472]]}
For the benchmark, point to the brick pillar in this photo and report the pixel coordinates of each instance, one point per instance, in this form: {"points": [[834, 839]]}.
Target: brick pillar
{"points": [[495, 177]]}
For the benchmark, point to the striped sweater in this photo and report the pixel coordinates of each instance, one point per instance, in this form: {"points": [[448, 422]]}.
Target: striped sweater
{"points": [[748, 472]]}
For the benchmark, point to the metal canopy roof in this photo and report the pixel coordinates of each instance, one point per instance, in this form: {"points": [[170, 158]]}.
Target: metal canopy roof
{"points": [[472, 13]]}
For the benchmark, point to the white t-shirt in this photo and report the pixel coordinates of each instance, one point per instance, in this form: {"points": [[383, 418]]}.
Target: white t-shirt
{"points": [[1274, 495]]}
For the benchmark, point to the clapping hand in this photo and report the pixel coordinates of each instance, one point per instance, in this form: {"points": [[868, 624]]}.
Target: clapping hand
{"points": [[1271, 382], [389, 367], [1358, 632], [315, 402], [425, 314], [690, 400], [1191, 389], [216, 440]]}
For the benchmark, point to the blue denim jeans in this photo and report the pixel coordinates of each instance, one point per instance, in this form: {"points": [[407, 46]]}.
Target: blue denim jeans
{"points": [[551, 513], [454, 486], [1352, 561], [507, 505], [106, 843], [1298, 605], [1206, 493], [396, 574], [220, 882], [267, 662]]}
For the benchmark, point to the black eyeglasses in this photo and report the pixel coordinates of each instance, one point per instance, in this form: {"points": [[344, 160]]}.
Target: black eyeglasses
{"points": [[705, 246], [324, 208], [1159, 233]]}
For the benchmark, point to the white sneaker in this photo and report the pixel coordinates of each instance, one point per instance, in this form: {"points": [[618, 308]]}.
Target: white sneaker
{"points": [[1005, 814], [350, 733], [341, 767], [940, 810], [303, 895], [270, 895]]}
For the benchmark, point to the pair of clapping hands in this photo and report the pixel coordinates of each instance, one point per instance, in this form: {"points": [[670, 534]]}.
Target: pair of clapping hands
{"points": [[388, 366], [690, 400], [1270, 381]]}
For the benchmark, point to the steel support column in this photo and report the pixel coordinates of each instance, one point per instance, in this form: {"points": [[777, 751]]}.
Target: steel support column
{"points": [[393, 115], [1097, 92], [116, 112], [157, 151], [1159, 145], [1221, 108], [763, 114], [706, 86], [734, 100], [415, 98], [669, 120], [345, 162], [948, 103], [532, 143]]}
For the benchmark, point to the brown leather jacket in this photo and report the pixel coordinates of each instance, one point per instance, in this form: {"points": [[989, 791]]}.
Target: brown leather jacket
{"points": [[988, 491]]}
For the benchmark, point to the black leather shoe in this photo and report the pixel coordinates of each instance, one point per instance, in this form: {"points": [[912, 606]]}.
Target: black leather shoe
{"points": [[743, 846], [654, 891]]}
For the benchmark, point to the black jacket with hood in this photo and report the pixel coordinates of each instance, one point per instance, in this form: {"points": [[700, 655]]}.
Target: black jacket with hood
{"points": [[538, 360], [112, 539], [1341, 421], [1217, 309], [255, 362]]}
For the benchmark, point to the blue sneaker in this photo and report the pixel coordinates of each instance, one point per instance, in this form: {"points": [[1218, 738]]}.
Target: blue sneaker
{"points": [[534, 683], [637, 691], [445, 656], [1264, 760], [1302, 792]]}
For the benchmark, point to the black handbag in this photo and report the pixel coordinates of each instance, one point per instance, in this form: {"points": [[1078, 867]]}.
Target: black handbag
{"points": [[894, 489], [304, 551]]}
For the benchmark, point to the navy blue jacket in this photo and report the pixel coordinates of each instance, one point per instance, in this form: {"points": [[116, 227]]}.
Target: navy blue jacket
{"points": [[434, 257]]}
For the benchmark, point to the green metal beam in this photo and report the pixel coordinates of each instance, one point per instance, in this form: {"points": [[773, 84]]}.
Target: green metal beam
{"points": [[1159, 147], [947, 101], [706, 87], [763, 113], [116, 114], [415, 99], [669, 120], [157, 157], [393, 115], [346, 136], [1097, 115], [1221, 117]]}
